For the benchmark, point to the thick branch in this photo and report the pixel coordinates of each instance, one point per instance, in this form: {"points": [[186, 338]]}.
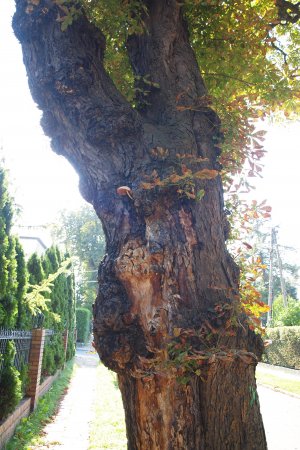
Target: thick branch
{"points": [[288, 12], [176, 101], [163, 56], [87, 119]]}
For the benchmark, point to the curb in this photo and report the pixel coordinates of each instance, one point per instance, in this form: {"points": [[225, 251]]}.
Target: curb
{"points": [[279, 370], [277, 389]]}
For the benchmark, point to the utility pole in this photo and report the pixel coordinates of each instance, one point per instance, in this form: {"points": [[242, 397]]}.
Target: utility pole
{"points": [[270, 295], [282, 281]]}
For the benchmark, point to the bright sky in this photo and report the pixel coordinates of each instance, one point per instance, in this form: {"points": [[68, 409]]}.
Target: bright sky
{"points": [[44, 183]]}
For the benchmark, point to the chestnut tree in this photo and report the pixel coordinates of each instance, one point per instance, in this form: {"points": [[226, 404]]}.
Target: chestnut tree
{"points": [[121, 87]]}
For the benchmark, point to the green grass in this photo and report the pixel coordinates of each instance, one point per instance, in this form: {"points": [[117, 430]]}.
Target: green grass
{"points": [[28, 432], [107, 430], [275, 381]]}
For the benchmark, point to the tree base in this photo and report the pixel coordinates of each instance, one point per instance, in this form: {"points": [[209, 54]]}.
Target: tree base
{"points": [[218, 413]]}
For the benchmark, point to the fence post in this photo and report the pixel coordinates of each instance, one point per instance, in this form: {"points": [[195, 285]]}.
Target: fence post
{"points": [[66, 336], [35, 364]]}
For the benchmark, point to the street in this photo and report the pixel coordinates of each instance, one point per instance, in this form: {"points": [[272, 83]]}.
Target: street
{"points": [[281, 415]]}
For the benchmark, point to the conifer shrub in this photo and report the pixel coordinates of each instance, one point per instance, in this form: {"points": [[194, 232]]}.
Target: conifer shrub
{"points": [[60, 300], [83, 321], [48, 363], [71, 315], [54, 356], [23, 321], [8, 264], [24, 377], [10, 383]]}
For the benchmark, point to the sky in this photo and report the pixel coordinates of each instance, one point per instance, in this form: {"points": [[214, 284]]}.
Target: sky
{"points": [[44, 183]]}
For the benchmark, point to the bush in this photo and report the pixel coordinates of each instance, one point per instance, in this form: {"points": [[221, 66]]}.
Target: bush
{"points": [[285, 348], [83, 319], [10, 383], [59, 315], [8, 263], [54, 355], [24, 378], [288, 316]]}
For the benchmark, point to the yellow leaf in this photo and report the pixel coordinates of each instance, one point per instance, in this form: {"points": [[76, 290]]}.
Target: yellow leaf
{"points": [[174, 178], [147, 185], [176, 332], [206, 174]]}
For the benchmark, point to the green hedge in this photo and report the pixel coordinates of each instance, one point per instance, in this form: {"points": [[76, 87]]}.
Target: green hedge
{"points": [[54, 355], [285, 347], [10, 383], [83, 320], [60, 313]]}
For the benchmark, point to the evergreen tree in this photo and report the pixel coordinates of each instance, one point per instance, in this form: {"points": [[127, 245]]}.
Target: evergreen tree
{"points": [[71, 314], [9, 299], [8, 266], [35, 269], [10, 383], [60, 312], [23, 316]]}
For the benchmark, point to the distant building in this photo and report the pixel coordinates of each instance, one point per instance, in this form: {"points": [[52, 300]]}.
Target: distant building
{"points": [[34, 239]]}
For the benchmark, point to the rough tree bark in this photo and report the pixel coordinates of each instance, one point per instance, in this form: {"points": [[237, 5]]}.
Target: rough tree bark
{"points": [[167, 280]]}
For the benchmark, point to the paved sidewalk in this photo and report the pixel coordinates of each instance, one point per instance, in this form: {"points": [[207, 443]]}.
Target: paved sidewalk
{"points": [[70, 428]]}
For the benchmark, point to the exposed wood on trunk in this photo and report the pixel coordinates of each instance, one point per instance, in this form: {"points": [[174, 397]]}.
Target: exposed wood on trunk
{"points": [[202, 418], [166, 267]]}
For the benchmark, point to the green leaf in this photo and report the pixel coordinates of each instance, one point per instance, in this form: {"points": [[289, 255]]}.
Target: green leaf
{"points": [[200, 194]]}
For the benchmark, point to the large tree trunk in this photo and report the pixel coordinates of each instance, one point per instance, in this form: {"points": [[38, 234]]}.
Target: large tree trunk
{"points": [[167, 317]]}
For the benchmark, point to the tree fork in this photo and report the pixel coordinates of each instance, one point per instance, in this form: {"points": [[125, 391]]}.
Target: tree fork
{"points": [[168, 289]]}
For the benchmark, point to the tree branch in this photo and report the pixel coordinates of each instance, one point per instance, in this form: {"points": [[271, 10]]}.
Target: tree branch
{"points": [[157, 55], [283, 53], [288, 12], [223, 75], [86, 117]]}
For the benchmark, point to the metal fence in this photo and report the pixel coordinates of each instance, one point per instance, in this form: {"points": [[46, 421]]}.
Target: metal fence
{"points": [[49, 335], [22, 340]]}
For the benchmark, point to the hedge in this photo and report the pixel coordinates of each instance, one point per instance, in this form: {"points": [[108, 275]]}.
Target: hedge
{"points": [[10, 383], [83, 319], [61, 302], [285, 347]]}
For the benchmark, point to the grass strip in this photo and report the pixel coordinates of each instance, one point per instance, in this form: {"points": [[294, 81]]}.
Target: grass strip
{"points": [[28, 432], [286, 384], [107, 429]]}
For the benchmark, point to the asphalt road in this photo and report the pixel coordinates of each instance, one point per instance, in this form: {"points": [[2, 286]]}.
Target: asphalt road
{"points": [[281, 415]]}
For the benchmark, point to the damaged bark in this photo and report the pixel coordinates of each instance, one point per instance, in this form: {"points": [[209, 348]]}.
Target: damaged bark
{"points": [[167, 279]]}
